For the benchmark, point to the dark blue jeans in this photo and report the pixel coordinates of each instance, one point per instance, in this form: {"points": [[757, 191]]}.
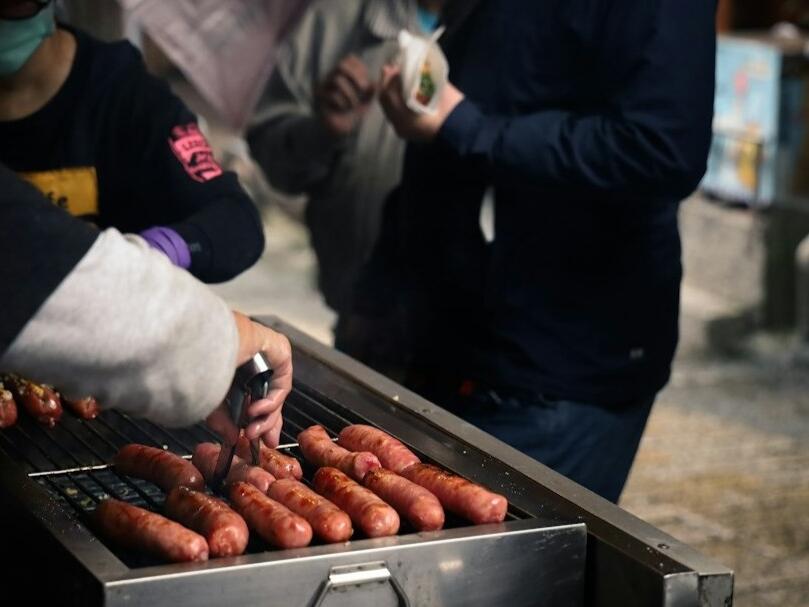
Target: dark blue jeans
{"points": [[591, 445]]}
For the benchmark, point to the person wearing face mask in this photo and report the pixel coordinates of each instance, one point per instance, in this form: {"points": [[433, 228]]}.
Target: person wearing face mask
{"points": [[318, 131], [85, 123]]}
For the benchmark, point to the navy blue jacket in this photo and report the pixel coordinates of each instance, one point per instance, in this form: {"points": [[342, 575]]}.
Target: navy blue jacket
{"points": [[591, 120]]}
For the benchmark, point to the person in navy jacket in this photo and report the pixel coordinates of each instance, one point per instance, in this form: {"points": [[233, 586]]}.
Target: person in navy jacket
{"points": [[531, 252]]}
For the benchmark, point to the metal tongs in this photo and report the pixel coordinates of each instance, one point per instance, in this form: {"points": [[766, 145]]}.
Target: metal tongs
{"points": [[251, 383]]}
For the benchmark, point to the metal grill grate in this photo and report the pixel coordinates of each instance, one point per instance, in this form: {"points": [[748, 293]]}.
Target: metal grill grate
{"points": [[72, 460]]}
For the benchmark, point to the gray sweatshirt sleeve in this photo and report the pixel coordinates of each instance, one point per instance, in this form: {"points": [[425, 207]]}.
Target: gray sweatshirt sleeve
{"points": [[134, 331], [286, 137]]}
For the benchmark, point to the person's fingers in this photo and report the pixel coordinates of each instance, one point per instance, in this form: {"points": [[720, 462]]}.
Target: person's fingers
{"points": [[390, 97], [389, 72], [267, 405], [357, 74], [334, 100], [278, 351], [263, 424], [347, 89], [219, 421], [272, 437]]}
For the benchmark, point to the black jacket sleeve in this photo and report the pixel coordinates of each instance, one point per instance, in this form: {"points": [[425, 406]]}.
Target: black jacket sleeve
{"points": [[651, 130], [39, 246], [179, 182]]}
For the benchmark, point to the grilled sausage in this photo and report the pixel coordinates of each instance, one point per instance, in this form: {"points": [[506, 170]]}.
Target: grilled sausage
{"points": [[415, 503], [318, 448], [223, 529], [274, 462], [369, 512], [85, 408], [163, 468], [8, 408], [40, 401], [391, 452], [145, 531], [328, 522], [459, 495], [205, 456], [274, 522]]}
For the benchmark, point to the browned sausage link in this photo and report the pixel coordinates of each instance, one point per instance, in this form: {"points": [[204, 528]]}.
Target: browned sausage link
{"points": [[85, 408], [458, 495], [274, 522], [205, 456], [138, 529], [8, 408], [390, 451], [420, 507], [223, 528], [317, 447], [328, 522], [163, 468], [40, 401], [369, 512], [274, 462]]}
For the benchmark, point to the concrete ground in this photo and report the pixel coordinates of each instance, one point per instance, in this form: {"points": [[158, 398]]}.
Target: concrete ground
{"points": [[724, 463]]}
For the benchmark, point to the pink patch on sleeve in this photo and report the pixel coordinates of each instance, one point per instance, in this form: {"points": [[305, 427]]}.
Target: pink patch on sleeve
{"points": [[194, 152]]}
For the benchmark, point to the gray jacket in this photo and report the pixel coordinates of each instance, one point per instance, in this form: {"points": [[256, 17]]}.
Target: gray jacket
{"points": [[134, 331], [346, 180]]}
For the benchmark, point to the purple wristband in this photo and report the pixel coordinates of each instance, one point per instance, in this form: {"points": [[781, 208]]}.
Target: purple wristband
{"points": [[170, 243]]}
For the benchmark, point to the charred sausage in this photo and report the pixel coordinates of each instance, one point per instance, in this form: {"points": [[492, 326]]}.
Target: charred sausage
{"points": [[163, 468], [367, 511], [274, 462], [390, 451], [318, 448], [85, 408], [145, 531], [274, 522], [458, 495], [415, 503], [328, 522], [8, 408], [205, 456], [39, 400], [223, 528]]}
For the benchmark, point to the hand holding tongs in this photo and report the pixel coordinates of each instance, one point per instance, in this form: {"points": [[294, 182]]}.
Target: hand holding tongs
{"points": [[251, 383]]}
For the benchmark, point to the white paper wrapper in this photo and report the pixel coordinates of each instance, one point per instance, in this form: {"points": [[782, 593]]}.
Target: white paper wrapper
{"points": [[425, 71]]}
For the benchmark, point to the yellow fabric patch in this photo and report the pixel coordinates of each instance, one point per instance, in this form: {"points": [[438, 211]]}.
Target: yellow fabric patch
{"points": [[74, 189]]}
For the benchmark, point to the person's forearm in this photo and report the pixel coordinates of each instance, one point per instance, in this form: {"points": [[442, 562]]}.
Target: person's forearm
{"points": [[295, 151], [137, 333], [562, 148], [224, 238]]}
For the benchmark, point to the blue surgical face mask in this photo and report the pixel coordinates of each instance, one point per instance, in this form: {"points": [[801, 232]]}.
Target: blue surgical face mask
{"points": [[427, 21], [20, 39]]}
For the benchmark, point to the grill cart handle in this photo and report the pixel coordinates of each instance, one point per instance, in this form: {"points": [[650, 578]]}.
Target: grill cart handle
{"points": [[360, 575]]}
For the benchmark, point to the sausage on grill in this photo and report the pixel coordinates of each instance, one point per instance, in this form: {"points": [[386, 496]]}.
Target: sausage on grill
{"points": [[8, 408], [390, 451], [273, 461], [458, 495], [40, 401], [205, 456], [85, 408], [369, 512], [415, 503], [329, 523], [145, 531], [318, 448], [274, 522], [163, 468], [223, 528]]}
